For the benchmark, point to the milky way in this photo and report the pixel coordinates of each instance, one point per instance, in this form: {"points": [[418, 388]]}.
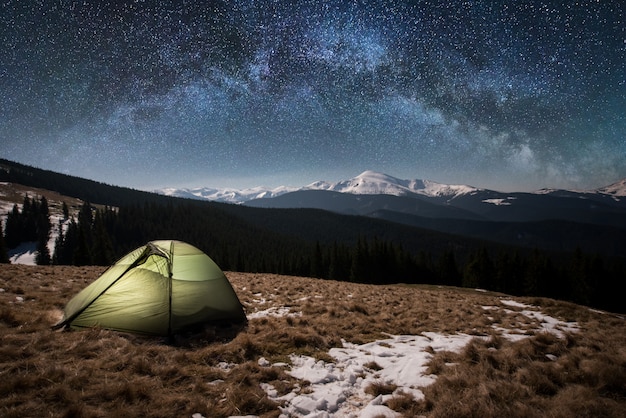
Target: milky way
{"points": [[509, 95]]}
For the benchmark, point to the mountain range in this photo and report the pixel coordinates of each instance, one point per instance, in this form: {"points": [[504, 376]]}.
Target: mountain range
{"points": [[420, 231], [555, 219], [368, 182], [383, 196], [416, 214], [374, 183]]}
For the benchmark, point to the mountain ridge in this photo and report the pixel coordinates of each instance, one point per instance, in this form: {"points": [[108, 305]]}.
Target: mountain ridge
{"points": [[513, 218], [372, 193], [368, 182], [593, 222], [372, 182]]}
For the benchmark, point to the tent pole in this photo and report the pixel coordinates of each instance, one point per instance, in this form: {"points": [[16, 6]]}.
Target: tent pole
{"points": [[139, 260], [170, 263]]}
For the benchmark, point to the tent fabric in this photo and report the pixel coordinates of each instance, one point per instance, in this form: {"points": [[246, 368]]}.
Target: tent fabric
{"points": [[160, 288]]}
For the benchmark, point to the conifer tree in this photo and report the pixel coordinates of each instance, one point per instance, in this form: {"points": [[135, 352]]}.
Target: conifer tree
{"points": [[4, 256], [317, 268], [579, 280], [69, 244], [479, 271], [539, 277], [102, 246], [13, 230], [359, 271], [66, 212], [82, 252], [58, 257], [85, 219], [43, 252], [29, 218], [509, 272], [447, 269], [596, 273], [380, 264], [43, 218], [423, 267], [340, 262]]}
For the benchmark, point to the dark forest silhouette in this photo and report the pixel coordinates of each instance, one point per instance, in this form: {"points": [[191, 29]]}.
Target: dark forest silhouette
{"points": [[99, 236], [301, 242]]}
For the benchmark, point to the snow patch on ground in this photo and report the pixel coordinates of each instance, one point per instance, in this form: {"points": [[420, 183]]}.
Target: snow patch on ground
{"points": [[498, 202], [274, 312], [337, 389], [25, 253], [546, 323]]}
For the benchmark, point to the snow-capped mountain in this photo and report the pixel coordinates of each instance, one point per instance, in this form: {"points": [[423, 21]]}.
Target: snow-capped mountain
{"points": [[375, 183], [423, 203], [366, 183], [419, 202], [226, 195], [372, 182], [616, 189]]}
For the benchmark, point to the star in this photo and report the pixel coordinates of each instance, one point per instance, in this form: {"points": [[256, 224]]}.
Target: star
{"points": [[506, 95]]}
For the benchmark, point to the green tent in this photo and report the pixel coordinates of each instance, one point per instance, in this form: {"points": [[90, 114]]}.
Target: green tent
{"points": [[160, 288]]}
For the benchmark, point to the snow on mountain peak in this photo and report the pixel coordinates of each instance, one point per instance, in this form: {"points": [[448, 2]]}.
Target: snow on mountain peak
{"points": [[368, 182], [226, 195], [442, 190], [372, 182], [615, 189]]}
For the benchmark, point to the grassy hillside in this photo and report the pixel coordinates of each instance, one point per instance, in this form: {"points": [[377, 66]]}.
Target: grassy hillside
{"points": [[513, 364], [71, 186]]}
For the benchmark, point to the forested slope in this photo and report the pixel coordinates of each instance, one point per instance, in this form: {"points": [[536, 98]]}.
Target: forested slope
{"points": [[307, 242]]}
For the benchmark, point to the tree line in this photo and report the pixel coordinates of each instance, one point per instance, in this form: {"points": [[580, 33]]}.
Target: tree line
{"points": [[101, 236], [31, 224]]}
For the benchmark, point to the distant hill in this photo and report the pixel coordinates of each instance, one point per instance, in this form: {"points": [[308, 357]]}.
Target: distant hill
{"points": [[71, 186]]}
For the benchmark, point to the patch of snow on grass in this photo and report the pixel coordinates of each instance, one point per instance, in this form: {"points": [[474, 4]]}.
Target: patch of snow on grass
{"points": [[546, 322], [337, 389], [275, 312], [552, 325], [513, 303]]}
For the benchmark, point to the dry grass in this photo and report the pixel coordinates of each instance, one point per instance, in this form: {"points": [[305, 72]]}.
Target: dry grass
{"points": [[380, 387], [98, 373]]}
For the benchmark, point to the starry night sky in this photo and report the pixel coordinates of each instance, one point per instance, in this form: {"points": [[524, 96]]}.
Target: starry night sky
{"points": [[509, 95]]}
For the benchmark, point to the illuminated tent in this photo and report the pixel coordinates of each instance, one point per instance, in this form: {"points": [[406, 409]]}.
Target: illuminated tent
{"points": [[160, 288]]}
